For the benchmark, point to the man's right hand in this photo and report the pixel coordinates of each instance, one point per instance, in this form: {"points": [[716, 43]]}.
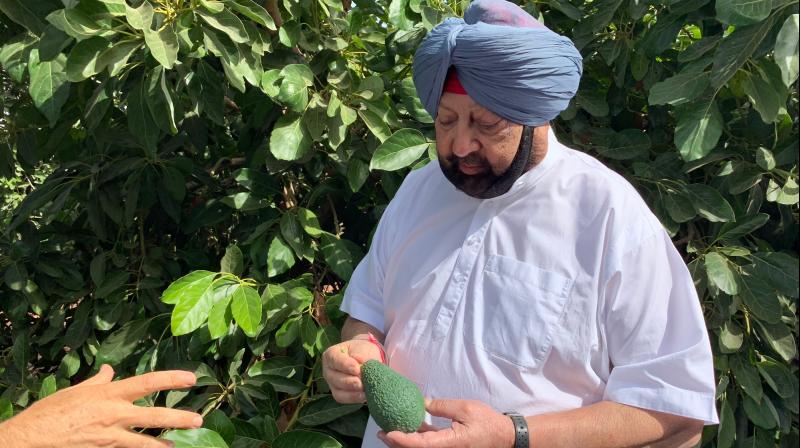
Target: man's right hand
{"points": [[341, 367], [99, 412]]}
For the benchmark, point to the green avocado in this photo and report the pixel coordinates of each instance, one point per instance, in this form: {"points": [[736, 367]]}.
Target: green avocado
{"points": [[394, 401]]}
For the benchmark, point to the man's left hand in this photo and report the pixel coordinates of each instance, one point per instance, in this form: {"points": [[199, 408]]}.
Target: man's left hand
{"points": [[475, 425]]}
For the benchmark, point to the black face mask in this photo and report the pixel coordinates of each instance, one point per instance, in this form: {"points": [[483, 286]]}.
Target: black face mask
{"points": [[487, 184]]}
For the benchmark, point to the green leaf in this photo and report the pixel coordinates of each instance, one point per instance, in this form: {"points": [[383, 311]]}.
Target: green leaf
{"points": [[759, 297], [309, 221], [70, 364], [6, 409], [245, 201], [777, 376], [116, 57], [780, 338], [293, 234], [82, 60], [746, 376], [766, 100], [279, 258], [277, 365], [233, 260], [287, 333], [16, 276], [721, 273], [398, 14], [786, 48], [709, 203], [252, 11], [48, 386], [398, 151], [679, 206], [565, 7], [212, 6], [780, 270], [759, 412], [23, 13], [190, 285], [220, 316], [77, 24], [52, 42], [112, 283], [97, 268], [193, 309], [325, 409], [735, 50], [627, 144], [699, 127], [163, 45], [218, 422], [373, 121], [289, 33], [195, 438], [765, 159], [246, 309], [304, 438], [679, 89], [732, 231], [357, 173], [14, 56], [122, 343], [140, 120], [731, 337], [727, 426], [140, 18], [293, 91], [742, 12], [339, 254], [226, 22], [289, 139]]}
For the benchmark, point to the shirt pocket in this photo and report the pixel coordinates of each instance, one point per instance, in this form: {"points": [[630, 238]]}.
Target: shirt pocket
{"points": [[521, 306]]}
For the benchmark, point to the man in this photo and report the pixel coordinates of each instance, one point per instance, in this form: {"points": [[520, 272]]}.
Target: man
{"points": [[100, 413], [518, 275]]}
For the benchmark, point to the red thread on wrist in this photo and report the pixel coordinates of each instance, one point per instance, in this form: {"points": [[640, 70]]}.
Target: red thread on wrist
{"points": [[374, 340]]}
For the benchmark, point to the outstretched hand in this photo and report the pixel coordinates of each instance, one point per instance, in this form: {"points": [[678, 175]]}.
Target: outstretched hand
{"points": [[475, 425], [99, 412]]}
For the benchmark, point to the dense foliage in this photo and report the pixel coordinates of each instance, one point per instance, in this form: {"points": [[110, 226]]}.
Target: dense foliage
{"points": [[190, 183]]}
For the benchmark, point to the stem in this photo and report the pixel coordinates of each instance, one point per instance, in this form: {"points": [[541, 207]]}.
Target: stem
{"points": [[300, 402]]}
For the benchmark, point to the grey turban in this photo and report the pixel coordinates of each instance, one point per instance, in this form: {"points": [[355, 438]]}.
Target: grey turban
{"points": [[506, 60]]}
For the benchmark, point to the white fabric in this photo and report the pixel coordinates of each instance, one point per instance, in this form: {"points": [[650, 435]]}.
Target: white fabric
{"points": [[563, 292]]}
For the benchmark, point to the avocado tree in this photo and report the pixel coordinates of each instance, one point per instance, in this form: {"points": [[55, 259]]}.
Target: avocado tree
{"points": [[190, 184]]}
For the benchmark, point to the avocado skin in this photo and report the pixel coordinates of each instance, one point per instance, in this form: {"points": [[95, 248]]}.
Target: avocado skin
{"points": [[394, 401]]}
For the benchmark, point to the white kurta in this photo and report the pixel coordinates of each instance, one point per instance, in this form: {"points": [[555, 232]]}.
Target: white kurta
{"points": [[563, 292]]}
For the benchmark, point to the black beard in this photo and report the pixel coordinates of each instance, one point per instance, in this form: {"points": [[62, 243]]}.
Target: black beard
{"points": [[487, 184]]}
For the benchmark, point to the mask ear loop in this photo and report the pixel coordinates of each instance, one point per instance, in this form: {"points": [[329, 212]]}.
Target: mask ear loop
{"points": [[522, 162]]}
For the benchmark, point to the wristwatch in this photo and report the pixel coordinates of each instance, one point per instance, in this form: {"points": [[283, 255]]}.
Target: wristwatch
{"points": [[521, 439]]}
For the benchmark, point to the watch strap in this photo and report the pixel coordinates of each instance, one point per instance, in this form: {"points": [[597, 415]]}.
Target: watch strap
{"points": [[521, 437]]}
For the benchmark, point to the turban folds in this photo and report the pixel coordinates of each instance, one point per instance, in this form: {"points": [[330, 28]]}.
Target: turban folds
{"points": [[506, 60]]}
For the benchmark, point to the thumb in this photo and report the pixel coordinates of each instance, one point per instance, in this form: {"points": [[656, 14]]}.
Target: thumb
{"points": [[105, 375], [452, 409]]}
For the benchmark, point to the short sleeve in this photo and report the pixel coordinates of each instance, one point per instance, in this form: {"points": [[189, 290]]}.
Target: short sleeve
{"points": [[363, 298], [657, 339]]}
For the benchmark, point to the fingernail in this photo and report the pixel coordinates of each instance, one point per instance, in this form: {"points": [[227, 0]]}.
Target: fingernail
{"points": [[188, 378], [427, 402], [197, 422]]}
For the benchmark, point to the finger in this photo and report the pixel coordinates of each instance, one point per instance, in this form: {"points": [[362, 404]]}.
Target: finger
{"points": [[336, 359], [425, 427], [432, 439], [103, 376], [139, 386], [363, 351], [452, 409], [130, 439], [344, 382], [163, 418], [349, 397]]}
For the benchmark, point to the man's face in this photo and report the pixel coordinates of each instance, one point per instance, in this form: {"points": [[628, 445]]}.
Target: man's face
{"points": [[474, 145]]}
